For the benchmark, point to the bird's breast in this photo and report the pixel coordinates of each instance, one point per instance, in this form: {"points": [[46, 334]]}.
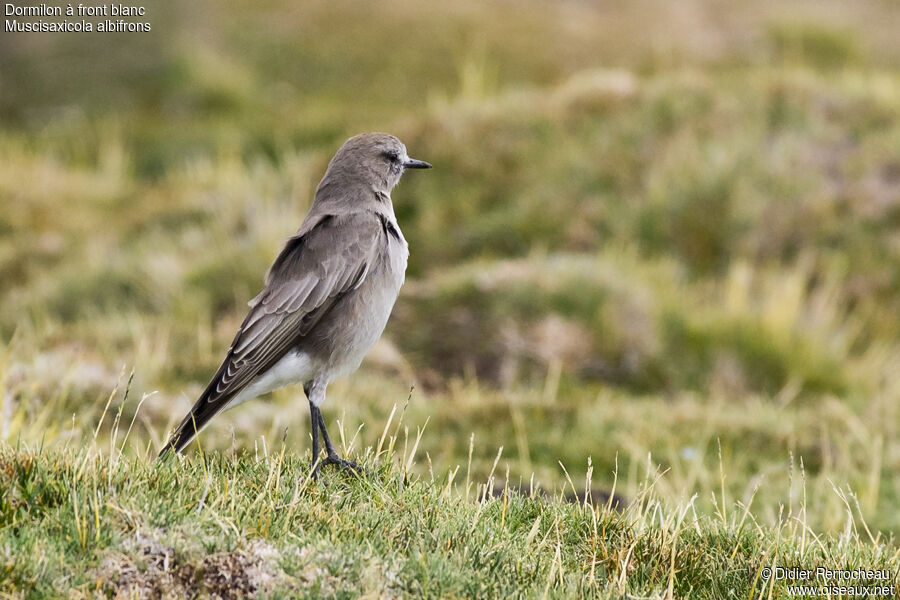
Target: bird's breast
{"points": [[396, 254], [366, 310]]}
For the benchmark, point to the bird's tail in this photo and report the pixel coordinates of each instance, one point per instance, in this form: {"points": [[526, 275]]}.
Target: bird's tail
{"points": [[181, 437], [192, 424]]}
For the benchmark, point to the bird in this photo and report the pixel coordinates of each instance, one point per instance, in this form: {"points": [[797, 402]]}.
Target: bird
{"points": [[327, 296]]}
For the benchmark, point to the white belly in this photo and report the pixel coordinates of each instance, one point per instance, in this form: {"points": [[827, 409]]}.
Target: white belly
{"points": [[295, 367]]}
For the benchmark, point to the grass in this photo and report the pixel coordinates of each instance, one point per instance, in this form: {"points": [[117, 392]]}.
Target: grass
{"points": [[92, 520], [664, 254]]}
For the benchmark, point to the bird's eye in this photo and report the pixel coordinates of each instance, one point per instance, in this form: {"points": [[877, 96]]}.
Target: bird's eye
{"points": [[391, 155]]}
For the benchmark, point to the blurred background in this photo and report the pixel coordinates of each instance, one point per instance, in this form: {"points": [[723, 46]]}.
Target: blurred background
{"points": [[663, 236]]}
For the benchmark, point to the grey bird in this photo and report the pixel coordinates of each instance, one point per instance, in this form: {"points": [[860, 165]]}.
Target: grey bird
{"points": [[327, 296]]}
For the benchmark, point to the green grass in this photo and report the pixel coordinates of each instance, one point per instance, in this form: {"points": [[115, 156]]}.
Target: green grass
{"points": [[93, 521], [659, 239]]}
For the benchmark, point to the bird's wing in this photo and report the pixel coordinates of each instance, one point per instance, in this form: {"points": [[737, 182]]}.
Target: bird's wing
{"points": [[316, 267]]}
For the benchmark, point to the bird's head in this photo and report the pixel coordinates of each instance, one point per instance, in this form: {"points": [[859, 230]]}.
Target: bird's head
{"points": [[376, 159]]}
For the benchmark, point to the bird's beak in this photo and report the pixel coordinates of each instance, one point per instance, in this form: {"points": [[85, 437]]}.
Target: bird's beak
{"points": [[412, 163]]}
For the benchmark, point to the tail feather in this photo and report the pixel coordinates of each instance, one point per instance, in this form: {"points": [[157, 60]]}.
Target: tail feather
{"points": [[199, 417]]}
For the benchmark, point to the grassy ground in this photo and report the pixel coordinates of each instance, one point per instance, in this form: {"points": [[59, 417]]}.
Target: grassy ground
{"points": [[100, 523], [659, 245]]}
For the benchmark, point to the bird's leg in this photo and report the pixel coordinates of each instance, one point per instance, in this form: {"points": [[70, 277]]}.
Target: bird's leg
{"points": [[316, 395], [314, 421], [333, 458]]}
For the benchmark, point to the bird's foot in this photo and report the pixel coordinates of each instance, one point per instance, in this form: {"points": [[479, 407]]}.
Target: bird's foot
{"points": [[334, 459]]}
